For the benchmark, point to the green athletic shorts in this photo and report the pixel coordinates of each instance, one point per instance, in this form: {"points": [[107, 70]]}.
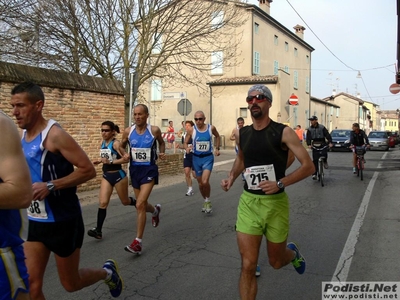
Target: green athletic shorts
{"points": [[264, 215]]}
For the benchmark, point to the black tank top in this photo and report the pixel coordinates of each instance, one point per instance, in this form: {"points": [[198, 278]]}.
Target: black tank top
{"points": [[264, 147]]}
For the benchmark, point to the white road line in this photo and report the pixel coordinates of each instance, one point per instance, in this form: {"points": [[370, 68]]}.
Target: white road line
{"points": [[223, 162], [343, 266]]}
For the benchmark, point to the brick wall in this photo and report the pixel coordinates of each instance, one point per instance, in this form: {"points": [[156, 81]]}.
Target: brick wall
{"points": [[173, 164], [80, 104]]}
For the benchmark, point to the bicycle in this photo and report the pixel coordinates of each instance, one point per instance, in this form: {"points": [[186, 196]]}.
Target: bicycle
{"points": [[321, 154], [360, 151]]}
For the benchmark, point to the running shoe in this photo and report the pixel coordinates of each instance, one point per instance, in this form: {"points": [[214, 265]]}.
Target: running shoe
{"points": [[95, 233], [203, 209], [189, 192], [314, 177], [326, 166], [299, 263], [115, 283], [135, 247], [354, 170], [156, 219], [258, 271], [208, 207]]}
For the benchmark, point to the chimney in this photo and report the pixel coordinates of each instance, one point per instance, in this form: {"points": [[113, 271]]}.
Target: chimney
{"points": [[265, 5], [299, 30]]}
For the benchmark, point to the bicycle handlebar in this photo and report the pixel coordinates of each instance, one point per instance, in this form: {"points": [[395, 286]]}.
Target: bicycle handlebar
{"points": [[319, 149]]}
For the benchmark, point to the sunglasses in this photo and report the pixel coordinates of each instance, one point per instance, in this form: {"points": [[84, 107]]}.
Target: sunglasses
{"points": [[198, 119], [259, 98], [105, 130]]}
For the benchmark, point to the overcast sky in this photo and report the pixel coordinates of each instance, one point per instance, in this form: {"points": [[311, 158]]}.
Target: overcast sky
{"points": [[347, 35]]}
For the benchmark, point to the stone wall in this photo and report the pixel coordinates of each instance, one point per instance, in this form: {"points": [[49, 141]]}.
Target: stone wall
{"points": [[80, 104]]}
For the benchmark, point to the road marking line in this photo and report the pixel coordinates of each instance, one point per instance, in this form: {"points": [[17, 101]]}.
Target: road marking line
{"points": [[223, 162], [343, 266]]}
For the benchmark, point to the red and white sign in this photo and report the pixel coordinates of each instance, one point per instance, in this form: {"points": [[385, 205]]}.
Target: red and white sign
{"points": [[293, 99], [394, 88], [167, 135]]}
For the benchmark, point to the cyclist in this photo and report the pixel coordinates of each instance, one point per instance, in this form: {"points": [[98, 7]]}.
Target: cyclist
{"points": [[358, 137], [319, 134]]}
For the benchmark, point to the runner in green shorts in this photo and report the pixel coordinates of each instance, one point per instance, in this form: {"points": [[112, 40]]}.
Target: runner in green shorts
{"points": [[265, 149], [256, 213]]}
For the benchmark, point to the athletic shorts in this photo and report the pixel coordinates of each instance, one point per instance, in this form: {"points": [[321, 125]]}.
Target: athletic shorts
{"points": [[264, 215], [143, 174], [62, 237], [202, 163], [188, 161], [114, 177], [13, 272]]}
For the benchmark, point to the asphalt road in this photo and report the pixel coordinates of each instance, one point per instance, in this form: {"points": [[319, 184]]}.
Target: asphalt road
{"points": [[347, 231]]}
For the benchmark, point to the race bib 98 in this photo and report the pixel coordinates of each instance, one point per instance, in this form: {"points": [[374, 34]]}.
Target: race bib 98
{"points": [[37, 210]]}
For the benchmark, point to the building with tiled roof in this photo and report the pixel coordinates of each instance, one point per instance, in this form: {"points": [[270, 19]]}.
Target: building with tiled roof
{"points": [[269, 54]]}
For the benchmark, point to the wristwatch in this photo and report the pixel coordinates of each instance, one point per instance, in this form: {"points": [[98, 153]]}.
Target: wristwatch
{"points": [[280, 184], [50, 186]]}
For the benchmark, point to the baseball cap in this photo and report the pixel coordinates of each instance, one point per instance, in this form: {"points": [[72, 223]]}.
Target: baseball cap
{"points": [[262, 89], [313, 118]]}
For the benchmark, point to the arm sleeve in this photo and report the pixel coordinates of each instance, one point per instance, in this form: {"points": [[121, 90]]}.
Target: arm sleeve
{"points": [[327, 135], [308, 138], [366, 138], [351, 138]]}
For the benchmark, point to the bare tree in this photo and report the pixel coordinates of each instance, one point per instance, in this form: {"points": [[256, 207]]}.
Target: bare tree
{"points": [[172, 40]]}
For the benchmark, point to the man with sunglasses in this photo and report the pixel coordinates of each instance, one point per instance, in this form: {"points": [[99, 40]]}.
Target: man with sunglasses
{"points": [[264, 152], [203, 158]]}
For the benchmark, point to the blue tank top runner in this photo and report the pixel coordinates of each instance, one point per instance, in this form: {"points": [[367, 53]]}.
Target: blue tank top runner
{"points": [[46, 166], [143, 147], [202, 141]]}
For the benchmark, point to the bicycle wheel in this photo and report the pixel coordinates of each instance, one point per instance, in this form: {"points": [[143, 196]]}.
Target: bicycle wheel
{"points": [[358, 167], [361, 167], [321, 171]]}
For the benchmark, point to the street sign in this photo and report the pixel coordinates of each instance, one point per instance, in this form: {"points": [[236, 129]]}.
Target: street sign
{"points": [[293, 100], [184, 107], [394, 88]]}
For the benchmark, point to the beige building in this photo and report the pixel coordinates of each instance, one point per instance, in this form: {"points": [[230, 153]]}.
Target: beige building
{"points": [[352, 110], [269, 54], [390, 120], [327, 113], [373, 116]]}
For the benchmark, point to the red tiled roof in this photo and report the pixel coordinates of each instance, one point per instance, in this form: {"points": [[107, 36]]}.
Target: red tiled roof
{"points": [[245, 80]]}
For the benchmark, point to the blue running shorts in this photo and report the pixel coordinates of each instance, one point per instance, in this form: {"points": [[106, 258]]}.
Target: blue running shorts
{"points": [[202, 163], [114, 177], [13, 272], [143, 174]]}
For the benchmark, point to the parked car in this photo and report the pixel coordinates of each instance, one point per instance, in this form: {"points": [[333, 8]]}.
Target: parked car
{"points": [[379, 140], [396, 137], [340, 139], [392, 139]]}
